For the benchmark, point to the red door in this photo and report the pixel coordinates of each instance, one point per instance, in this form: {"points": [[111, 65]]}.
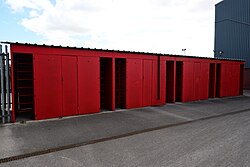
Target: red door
{"points": [[88, 85], [197, 68], [69, 85], [188, 81], [204, 81], [48, 87], [134, 83], [147, 83]]}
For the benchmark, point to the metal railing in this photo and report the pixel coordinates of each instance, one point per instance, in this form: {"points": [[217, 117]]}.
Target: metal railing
{"points": [[5, 85]]}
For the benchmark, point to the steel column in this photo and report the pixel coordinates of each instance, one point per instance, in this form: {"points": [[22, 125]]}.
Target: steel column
{"points": [[7, 75], [2, 85]]}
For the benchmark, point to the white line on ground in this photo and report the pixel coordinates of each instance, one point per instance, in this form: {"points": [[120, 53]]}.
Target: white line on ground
{"points": [[170, 113], [71, 160]]}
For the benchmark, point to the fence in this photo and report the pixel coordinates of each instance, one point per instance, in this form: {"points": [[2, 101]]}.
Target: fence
{"points": [[5, 85]]}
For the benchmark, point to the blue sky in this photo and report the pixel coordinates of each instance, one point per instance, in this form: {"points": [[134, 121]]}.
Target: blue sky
{"points": [[162, 26], [11, 29]]}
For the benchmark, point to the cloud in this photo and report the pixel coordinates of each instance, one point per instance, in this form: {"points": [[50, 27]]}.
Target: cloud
{"points": [[139, 25], [28, 4]]}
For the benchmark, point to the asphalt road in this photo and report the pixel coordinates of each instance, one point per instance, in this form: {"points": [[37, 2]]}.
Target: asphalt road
{"points": [[218, 142]]}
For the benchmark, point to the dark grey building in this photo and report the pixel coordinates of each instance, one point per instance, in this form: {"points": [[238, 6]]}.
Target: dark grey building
{"points": [[232, 30]]}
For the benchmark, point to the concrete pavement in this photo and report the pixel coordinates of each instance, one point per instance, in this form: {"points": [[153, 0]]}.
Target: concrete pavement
{"points": [[218, 142], [32, 137]]}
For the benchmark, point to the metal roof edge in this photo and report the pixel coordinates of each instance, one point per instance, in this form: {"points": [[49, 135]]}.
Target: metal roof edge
{"points": [[219, 3], [120, 51]]}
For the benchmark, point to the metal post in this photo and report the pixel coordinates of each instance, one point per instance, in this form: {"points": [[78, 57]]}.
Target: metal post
{"points": [[2, 86], [7, 75]]}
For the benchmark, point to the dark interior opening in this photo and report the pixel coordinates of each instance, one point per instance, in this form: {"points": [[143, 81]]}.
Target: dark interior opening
{"points": [[170, 89], [23, 86], [212, 81], [106, 83], [179, 80], [218, 80], [120, 83], [241, 79]]}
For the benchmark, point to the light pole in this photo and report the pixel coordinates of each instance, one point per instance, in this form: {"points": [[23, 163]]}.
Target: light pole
{"points": [[184, 50], [221, 52]]}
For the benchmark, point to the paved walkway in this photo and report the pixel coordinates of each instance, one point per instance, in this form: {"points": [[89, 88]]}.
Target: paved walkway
{"points": [[34, 137]]}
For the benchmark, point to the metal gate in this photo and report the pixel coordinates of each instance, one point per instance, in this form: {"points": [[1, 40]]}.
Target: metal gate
{"points": [[5, 85]]}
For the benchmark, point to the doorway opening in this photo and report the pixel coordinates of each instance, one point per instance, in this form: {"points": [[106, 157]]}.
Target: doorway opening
{"points": [[212, 80], [170, 87], [120, 83], [218, 80], [23, 86], [106, 83], [179, 81], [241, 79]]}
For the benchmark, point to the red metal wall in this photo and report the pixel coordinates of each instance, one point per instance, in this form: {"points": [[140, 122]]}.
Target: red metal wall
{"points": [[69, 85], [88, 85], [204, 81], [188, 82], [64, 83], [67, 80], [134, 83], [195, 81], [47, 86], [230, 79], [147, 80]]}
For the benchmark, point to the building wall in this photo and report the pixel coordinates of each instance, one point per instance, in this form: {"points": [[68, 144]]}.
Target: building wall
{"points": [[232, 29], [68, 81]]}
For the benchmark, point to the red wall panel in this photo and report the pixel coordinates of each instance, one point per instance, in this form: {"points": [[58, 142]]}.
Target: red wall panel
{"points": [[48, 87], [195, 81], [224, 80], [230, 75], [197, 73], [69, 85], [204, 81], [134, 83], [147, 82], [88, 85], [231, 81], [188, 81], [235, 74], [155, 84]]}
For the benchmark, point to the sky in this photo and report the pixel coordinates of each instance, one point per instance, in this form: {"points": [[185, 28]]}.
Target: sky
{"points": [[158, 26]]}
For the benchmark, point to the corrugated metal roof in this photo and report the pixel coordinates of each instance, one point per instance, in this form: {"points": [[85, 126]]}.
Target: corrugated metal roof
{"points": [[120, 51]]}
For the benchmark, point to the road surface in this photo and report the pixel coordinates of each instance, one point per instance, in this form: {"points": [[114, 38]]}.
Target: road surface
{"points": [[218, 142]]}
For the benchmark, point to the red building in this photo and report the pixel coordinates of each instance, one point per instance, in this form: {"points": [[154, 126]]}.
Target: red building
{"points": [[53, 81]]}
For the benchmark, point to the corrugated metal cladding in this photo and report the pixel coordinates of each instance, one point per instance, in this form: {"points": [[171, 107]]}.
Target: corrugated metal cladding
{"points": [[232, 29]]}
